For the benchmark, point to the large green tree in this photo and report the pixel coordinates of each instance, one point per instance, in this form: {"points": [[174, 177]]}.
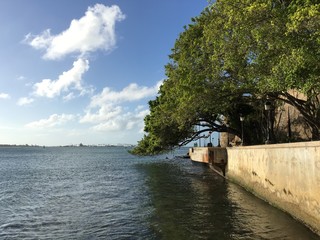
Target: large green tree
{"points": [[275, 46], [227, 61]]}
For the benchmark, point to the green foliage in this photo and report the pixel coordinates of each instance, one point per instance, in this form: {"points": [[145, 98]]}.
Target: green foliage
{"points": [[227, 60]]}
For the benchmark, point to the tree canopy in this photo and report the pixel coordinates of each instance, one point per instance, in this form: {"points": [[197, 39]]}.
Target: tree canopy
{"points": [[227, 62]]}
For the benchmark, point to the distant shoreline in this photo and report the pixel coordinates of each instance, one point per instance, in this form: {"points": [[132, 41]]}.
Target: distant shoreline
{"points": [[71, 145]]}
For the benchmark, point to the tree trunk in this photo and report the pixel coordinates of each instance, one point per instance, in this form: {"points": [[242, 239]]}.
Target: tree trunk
{"points": [[315, 133]]}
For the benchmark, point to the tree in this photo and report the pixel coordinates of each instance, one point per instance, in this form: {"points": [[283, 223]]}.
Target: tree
{"points": [[274, 45], [229, 60]]}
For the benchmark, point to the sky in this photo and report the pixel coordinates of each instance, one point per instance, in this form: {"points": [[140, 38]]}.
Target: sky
{"points": [[76, 72]]}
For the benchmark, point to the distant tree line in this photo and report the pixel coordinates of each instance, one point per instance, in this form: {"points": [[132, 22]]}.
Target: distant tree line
{"points": [[228, 62]]}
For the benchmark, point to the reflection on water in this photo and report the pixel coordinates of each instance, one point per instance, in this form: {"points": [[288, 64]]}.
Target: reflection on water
{"points": [[192, 202]]}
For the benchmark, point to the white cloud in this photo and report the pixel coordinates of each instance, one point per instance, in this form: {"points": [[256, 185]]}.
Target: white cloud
{"points": [[105, 113], [24, 101], [69, 79], [21, 78], [69, 97], [133, 92], [4, 96], [123, 121], [107, 109], [94, 31], [52, 121]]}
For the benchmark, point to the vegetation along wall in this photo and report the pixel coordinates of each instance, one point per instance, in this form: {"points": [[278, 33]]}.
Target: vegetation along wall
{"points": [[285, 175]]}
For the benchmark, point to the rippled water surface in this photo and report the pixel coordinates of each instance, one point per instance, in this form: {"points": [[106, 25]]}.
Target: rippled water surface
{"points": [[106, 193]]}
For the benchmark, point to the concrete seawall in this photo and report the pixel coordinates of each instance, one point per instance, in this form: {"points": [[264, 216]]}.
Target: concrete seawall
{"points": [[285, 175]]}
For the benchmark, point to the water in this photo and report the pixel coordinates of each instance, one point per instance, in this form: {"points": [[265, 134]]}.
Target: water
{"points": [[106, 193]]}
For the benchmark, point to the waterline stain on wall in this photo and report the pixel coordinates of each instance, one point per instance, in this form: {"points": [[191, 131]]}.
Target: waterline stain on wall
{"points": [[285, 175]]}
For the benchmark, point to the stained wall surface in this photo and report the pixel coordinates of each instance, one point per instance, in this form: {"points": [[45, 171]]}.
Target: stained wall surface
{"points": [[285, 175]]}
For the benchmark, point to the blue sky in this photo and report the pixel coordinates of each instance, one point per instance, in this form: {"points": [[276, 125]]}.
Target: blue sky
{"points": [[83, 71]]}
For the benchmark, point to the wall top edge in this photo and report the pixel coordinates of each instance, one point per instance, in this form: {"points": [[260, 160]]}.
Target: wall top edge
{"points": [[280, 145]]}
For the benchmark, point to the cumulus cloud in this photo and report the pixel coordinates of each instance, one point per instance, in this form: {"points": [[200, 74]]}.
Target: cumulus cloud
{"points": [[52, 121], [25, 101], [105, 113], [69, 79], [94, 31], [124, 121], [133, 92], [4, 96], [108, 110]]}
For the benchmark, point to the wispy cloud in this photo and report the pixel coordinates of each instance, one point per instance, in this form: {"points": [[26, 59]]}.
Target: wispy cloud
{"points": [[25, 101], [21, 78], [123, 121], [104, 113], [69, 97], [52, 121], [108, 112], [132, 92], [69, 79], [4, 96], [94, 31]]}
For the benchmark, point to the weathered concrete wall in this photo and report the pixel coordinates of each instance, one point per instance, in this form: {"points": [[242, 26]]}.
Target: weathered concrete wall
{"points": [[208, 154], [285, 175]]}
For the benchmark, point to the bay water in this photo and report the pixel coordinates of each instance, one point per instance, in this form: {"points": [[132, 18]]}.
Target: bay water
{"points": [[106, 193]]}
